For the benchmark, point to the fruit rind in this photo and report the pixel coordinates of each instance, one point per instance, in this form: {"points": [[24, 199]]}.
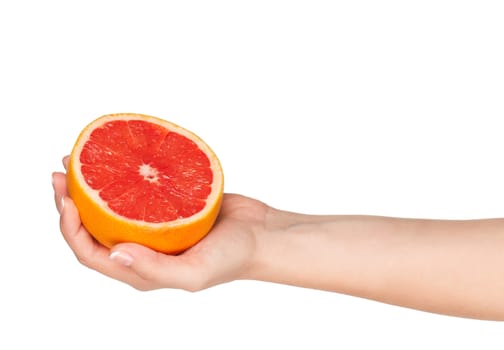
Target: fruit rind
{"points": [[109, 229]]}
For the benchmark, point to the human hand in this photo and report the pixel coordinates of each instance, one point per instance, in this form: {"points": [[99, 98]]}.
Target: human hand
{"points": [[225, 254]]}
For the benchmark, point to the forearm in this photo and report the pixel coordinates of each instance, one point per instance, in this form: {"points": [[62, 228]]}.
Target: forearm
{"points": [[450, 267]]}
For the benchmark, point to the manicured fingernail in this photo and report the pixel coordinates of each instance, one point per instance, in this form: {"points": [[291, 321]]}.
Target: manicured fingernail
{"points": [[121, 258]]}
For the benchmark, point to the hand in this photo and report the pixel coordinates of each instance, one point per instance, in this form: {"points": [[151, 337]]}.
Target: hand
{"points": [[225, 254], [373, 257]]}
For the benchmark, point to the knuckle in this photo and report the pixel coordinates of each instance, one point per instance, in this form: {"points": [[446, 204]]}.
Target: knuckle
{"points": [[142, 287], [193, 288], [83, 259], [196, 284], [150, 276]]}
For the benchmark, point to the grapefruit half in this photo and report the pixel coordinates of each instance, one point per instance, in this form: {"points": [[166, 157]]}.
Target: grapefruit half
{"points": [[137, 178]]}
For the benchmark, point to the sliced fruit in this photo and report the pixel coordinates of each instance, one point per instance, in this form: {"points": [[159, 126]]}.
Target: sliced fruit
{"points": [[137, 178]]}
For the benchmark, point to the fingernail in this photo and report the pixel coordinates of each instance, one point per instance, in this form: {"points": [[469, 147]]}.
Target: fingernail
{"points": [[121, 258], [62, 204]]}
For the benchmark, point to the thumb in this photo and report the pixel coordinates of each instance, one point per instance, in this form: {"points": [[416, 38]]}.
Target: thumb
{"points": [[161, 270]]}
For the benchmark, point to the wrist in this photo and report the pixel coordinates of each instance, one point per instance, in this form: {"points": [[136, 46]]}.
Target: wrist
{"points": [[279, 244]]}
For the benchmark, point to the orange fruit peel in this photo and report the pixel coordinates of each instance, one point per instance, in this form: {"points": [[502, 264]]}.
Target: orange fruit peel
{"points": [[137, 178]]}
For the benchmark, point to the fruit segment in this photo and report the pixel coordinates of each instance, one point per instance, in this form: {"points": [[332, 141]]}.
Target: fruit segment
{"points": [[146, 172]]}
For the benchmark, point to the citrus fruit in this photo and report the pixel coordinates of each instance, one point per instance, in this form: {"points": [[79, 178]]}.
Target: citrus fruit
{"points": [[137, 178]]}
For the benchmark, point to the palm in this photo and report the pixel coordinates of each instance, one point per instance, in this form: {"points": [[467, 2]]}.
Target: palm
{"points": [[225, 253]]}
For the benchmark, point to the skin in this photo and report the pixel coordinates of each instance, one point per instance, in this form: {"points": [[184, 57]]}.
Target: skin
{"points": [[441, 266]]}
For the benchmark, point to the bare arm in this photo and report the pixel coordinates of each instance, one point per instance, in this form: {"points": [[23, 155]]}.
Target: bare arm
{"points": [[447, 267]]}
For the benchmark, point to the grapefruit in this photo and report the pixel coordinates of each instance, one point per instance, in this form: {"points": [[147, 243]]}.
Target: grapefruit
{"points": [[137, 178]]}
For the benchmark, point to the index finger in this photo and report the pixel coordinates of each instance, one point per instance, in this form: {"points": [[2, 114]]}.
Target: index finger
{"points": [[65, 161]]}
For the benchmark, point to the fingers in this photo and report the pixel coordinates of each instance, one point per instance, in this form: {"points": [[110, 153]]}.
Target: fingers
{"points": [[89, 252], [59, 185], [163, 271], [92, 254], [80, 241], [60, 190], [65, 161], [86, 249]]}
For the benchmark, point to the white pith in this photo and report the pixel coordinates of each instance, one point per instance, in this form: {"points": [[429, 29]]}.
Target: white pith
{"points": [[149, 173]]}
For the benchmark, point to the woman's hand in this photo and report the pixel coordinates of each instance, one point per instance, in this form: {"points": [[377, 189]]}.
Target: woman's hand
{"points": [[452, 267], [225, 254]]}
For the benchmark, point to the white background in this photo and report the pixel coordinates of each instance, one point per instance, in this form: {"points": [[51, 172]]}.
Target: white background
{"points": [[366, 107]]}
